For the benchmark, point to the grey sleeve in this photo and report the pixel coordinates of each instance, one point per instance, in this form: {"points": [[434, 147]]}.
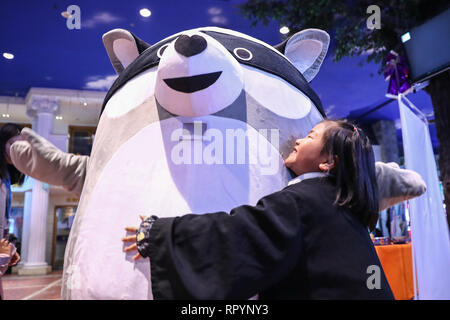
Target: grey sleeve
{"points": [[41, 160], [396, 185]]}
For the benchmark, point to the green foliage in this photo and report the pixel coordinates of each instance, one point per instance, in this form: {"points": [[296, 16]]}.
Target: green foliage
{"points": [[346, 21]]}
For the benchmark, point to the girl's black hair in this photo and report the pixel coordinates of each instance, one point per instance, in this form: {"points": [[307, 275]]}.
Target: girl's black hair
{"points": [[7, 131], [354, 169]]}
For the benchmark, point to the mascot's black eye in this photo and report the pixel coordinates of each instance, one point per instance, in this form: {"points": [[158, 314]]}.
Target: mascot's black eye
{"points": [[161, 50], [243, 54]]}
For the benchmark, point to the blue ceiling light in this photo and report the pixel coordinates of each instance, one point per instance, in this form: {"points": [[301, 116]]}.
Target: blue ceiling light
{"points": [[8, 55], [284, 30], [65, 14], [214, 11], [145, 12]]}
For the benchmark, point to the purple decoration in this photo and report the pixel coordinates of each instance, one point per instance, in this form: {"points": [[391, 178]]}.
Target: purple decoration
{"points": [[396, 71]]}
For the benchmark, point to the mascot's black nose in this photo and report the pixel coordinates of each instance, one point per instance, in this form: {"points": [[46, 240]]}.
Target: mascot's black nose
{"points": [[190, 46]]}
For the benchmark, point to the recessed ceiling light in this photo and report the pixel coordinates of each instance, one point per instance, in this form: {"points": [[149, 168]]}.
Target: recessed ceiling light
{"points": [[8, 56], [85, 104], [65, 14], [284, 30], [214, 10], [145, 12]]}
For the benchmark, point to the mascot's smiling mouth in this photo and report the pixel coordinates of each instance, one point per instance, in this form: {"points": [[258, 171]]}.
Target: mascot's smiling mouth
{"points": [[194, 83]]}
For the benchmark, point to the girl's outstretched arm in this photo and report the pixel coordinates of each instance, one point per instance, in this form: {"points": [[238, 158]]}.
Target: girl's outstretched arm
{"points": [[225, 256]]}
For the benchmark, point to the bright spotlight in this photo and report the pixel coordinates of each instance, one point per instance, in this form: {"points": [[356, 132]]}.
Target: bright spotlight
{"points": [[145, 12], [284, 30]]}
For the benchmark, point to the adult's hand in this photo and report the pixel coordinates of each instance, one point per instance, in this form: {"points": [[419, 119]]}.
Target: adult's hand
{"points": [[6, 247]]}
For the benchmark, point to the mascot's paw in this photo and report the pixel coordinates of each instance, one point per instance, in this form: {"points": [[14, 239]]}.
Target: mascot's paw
{"points": [[40, 159], [34, 156], [396, 185], [31, 153]]}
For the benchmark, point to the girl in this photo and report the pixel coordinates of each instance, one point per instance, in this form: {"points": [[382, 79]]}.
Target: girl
{"points": [[9, 175], [307, 241]]}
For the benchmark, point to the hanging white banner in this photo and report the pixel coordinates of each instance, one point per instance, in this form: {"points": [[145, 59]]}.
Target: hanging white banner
{"points": [[429, 230]]}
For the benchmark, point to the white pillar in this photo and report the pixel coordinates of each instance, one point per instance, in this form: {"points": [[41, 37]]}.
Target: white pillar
{"points": [[42, 110], [26, 225]]}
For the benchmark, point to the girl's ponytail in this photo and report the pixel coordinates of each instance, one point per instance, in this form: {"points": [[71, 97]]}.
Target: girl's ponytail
{"points": [[354, 169]]}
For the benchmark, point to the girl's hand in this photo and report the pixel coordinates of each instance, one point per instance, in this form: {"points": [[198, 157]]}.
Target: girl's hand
{"points": [[132, 238], [6, 247]]}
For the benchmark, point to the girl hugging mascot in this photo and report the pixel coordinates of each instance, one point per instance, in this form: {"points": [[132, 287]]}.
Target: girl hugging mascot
{"points": [[198, 122]]}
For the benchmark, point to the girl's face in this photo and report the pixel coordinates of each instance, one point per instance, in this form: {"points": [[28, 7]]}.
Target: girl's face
{"points": [[307, 153]]}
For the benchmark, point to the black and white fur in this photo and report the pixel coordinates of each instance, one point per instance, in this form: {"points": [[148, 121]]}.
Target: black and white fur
{"points": [[215, 76]]}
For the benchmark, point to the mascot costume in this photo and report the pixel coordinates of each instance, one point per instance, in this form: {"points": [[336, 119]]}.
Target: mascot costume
{"points": [[198, 122]]}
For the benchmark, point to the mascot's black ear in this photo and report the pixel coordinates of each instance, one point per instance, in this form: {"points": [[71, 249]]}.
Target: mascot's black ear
{"points": [[306, 50], [122, 47]]}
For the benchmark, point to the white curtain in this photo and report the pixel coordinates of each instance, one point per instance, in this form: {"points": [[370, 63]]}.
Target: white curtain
{"points": [[429, 230]]}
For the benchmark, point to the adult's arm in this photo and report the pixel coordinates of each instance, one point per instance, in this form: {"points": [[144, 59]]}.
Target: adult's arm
{"points": [[40, 159], [5, 260], [225, 256]]}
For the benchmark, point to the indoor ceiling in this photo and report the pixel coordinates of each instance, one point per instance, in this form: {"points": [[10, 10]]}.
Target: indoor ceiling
{"points": [[48, 54]]}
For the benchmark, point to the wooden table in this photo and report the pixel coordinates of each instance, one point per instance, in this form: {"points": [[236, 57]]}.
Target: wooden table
{"points": [[396, 260]]}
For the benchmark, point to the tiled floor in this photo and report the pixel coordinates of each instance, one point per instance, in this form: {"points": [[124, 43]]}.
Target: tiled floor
{"points": [[46, 287]]}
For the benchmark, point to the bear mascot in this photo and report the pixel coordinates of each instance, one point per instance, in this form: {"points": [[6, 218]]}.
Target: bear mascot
{"points": [[198, 122]]}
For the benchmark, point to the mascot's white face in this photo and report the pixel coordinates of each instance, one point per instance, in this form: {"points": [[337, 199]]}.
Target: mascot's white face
{"points": [[199, 122], [200, 81]]}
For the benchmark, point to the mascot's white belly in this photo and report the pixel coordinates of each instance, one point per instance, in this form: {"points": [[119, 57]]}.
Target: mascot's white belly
{"points": [[143, 178]]}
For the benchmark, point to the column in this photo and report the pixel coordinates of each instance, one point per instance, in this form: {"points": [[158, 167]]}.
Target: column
{"points": [[386, 135], [42, 110], [26, 223]]}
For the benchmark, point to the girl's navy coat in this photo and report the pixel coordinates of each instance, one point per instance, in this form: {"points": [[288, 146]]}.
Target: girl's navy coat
{"points": [[294, 244]]}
